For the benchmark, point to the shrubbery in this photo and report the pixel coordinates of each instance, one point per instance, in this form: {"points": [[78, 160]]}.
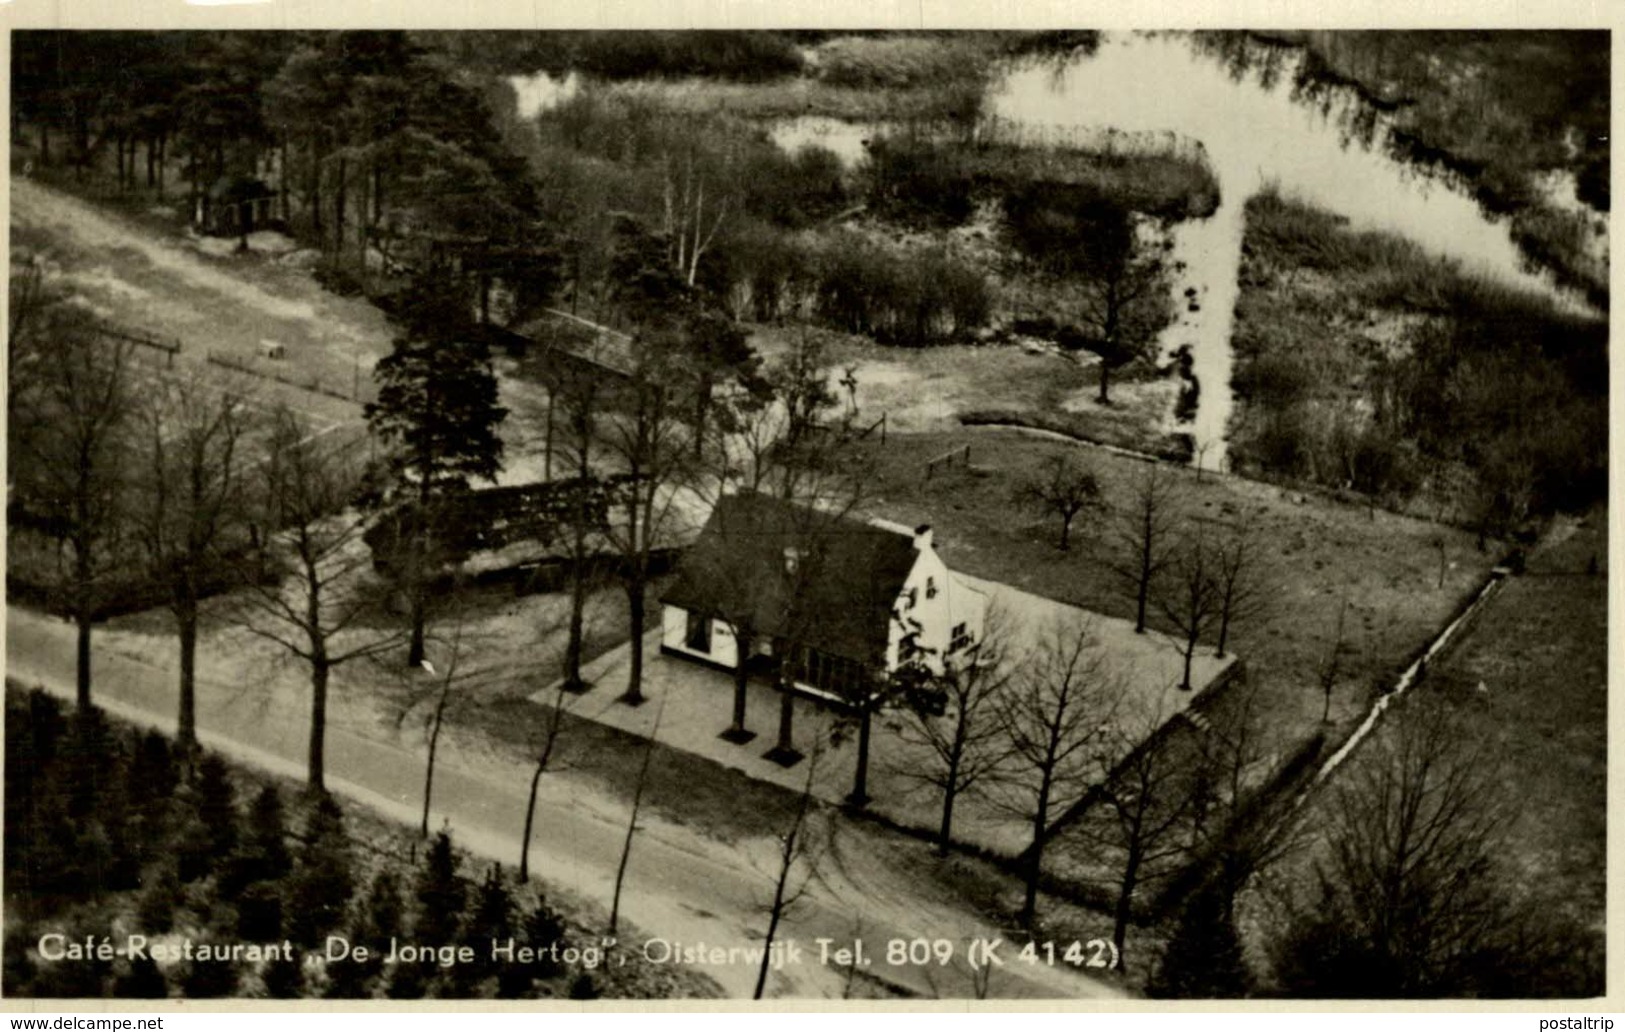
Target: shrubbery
{"points": [[96, 814], [1485, 378]]}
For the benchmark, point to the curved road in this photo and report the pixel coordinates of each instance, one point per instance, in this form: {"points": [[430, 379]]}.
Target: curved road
{"points": [[682, 883]]}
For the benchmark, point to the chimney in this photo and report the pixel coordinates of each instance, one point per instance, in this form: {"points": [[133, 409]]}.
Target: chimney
{"points": [[922, 538]]}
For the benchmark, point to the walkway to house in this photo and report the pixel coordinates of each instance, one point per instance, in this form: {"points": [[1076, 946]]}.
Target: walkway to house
{"points": [[693, 704]]}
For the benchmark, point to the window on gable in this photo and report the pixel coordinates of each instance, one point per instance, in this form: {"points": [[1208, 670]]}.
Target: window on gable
{"points": [[930, 587]]}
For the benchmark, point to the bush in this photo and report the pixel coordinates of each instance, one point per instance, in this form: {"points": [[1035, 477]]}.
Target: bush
{"points": [[913, 299], [741, 56], [904, 61], [916, 180], [332, 273]]}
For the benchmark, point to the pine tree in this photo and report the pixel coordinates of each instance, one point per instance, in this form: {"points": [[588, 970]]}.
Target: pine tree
{"points": [[267, 843], [284, 978], [143, 981], [1204, 960], [441, 894], [323, 880], [438, 408], [259, 913], [493, 918], [216, 804]]}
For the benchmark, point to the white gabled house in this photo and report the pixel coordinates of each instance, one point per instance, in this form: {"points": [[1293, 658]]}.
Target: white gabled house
{"points": [[852, 600]]}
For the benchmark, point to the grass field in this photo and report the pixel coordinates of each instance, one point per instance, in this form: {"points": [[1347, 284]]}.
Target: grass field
{"points": [[1529, 684], [1316, 555]]}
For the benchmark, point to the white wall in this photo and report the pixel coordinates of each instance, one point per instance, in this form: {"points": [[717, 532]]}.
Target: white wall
{"points": [[925, 600], [674, 633]]}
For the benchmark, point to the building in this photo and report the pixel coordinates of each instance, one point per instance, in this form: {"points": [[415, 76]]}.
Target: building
{"points": [[235, 206], [846, 601]]}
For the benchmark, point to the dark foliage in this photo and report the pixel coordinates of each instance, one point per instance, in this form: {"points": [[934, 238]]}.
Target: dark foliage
{"points": [[322, 882], [1204, 959]]}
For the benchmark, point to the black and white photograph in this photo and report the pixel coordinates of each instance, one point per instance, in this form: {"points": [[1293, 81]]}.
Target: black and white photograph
{"points": [[807, 514]]}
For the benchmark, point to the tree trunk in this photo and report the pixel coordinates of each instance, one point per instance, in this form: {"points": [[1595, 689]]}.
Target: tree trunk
{"points": [[742, 645], [163, 155], [418, 606], [530, 820], [282, 179], [1105, 379], [83, 606], [578, 607], [313, 197], [1146, 544], [1066, 533], [339, 198], [950, 787], [82, 670], [1190, 653], [787, 715], [1035, 855], [1125, 901], [151, 178], [186, 723], [434, 745], [860, 779], [635, 615], [318, 723]]}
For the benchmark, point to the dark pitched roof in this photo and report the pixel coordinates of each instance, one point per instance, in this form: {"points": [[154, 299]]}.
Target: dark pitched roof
{"points": [[838, 598], [236, 189]]}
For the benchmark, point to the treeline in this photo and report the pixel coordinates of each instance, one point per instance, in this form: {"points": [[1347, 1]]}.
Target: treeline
{"points": [[1497, 383], [105, 821], [373, 143]]}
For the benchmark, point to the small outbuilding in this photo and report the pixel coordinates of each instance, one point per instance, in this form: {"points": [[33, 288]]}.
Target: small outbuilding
{"points": [[235, 206]]}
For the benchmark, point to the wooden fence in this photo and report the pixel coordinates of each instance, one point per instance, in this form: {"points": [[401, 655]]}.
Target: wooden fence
{"points": [[947, 459], [313, 382]]}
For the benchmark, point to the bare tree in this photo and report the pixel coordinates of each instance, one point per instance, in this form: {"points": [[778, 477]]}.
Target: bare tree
{"points": [[73, 396], [798, 866], [191, 506], [1241, 585], [1331, 667], [1410, 902], [544, 749], [309, 486], [1057, 716], [1063, 487], [648, 439], [697, 202], [1190, 597], [1146, 799], [581, 392], [632, 821], [438, 696], [1143, 528], [966, 738]]}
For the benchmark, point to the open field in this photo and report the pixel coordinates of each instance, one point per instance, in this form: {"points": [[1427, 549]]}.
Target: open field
{"points": [[130, 275], [1527, 687], [1401, 578]]}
